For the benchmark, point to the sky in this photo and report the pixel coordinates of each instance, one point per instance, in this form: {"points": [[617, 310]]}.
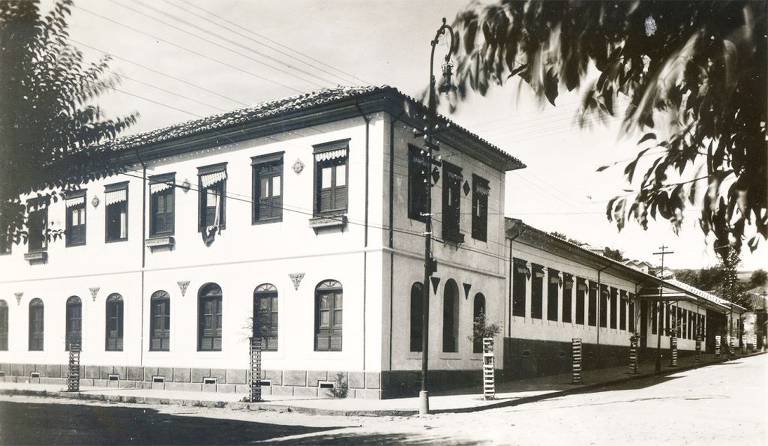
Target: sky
{"points": [[184, 59]]}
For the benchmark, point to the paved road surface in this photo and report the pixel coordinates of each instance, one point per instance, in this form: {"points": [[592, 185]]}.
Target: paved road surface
{"points": [[720, 404]]}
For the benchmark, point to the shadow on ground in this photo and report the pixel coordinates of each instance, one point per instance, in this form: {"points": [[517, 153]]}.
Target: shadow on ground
{"points": [[351, 438], [65, 424]]}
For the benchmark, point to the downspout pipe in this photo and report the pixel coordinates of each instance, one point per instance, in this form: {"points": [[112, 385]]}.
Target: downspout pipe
{"points": [[365, 234], [143, 249]]}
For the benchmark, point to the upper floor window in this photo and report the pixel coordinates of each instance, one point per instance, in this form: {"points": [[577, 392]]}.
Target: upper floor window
{"points": [[36, 324], [209, 318], [161, 204], [212, 196], [418, 183], [37, 226], [267, 187], [3, 326], [73, 322], [116, 212], [328, 316], [331, 171], [265, 316], [114, 323], [75, 218], [480, 191], [452, 181], [160, 321]]}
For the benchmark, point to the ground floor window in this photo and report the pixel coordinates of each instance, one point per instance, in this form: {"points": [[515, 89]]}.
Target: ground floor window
{"points": [[592, 305], [417, 316], [160, 321], [265, 316], [519, 276], [329, 306], [451, 317], [114, 325], [36, 324], [3, 326], [479, 322], [74, 323], [209, 318]]}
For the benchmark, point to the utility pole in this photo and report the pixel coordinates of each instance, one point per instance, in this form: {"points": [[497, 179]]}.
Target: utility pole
{"points": [[430, 266], [662, 252]]}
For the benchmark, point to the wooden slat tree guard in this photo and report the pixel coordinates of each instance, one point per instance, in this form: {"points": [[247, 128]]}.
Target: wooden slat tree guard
{"points": [[633, 354], [255, 378], [717, 346], [673, 348], [489, 370], [576, 363], [698, 348], [73, 372]]}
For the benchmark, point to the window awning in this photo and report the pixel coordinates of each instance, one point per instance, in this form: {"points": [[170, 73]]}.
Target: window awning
{"points": [[483, 190], [159, 187], [115, 196], [76, 201], [331, 155], [453, 175], [210, 179]]}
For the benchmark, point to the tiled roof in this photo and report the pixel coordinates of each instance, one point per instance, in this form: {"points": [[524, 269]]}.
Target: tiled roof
{"points": [[702, 294], [271, 109]]}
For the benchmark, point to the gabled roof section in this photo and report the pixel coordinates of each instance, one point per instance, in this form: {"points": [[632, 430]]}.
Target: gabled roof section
{"points": [[708, 297], [302, 110]]}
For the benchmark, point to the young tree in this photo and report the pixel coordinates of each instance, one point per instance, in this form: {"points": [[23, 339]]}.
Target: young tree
{"points": [[695, 70], [52, 136], [758, 278]]}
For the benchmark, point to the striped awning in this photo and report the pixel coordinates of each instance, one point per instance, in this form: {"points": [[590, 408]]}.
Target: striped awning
{"points": [[209, 179], [453, 175], [331, 155], [484, 190], [159, 187], [115, 196], [76, 201]]}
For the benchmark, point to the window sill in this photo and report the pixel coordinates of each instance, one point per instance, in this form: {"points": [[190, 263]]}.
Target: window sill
{"points": [[36, 256], [266, 221], [75, 244], [328, 221], [157, 242], [453, 239], [116, 240]]}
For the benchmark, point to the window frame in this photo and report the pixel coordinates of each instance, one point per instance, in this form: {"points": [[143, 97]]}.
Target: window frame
{"points": [[202, 196], [267, 292], [116, 304], [69, 331], [335, 289], [217, 319], [537, 291], [41, 212], [567, 310], [480, 206], [70, 239], [592, 292], [479, 303], [317, 189], [169, 178], [519, 285], [553, 310], [113, 188], [160, 338], [450, 338], [613, 304], [36, 336], [581, 301], [623, 310], [451, 224], [276, 161], [415, 178]]}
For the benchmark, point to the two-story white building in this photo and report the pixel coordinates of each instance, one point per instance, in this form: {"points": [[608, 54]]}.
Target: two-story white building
{"points": [[300, 216]]}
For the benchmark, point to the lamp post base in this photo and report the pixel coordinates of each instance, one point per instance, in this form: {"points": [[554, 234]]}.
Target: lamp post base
{"points": [[423, 402]]}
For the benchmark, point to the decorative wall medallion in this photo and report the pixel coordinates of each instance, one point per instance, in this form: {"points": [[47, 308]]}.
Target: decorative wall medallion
{"points": [[296, 279], [18, 297], [435, 282], [183, 284], [94, 292], [298, 166], [467, 286], [95, 201]]}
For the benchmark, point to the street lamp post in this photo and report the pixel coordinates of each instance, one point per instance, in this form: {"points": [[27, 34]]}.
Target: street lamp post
{"points": [[429, 262]]}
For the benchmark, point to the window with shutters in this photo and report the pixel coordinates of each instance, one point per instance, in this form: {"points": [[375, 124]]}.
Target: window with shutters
{"points": [[480, 192], [418, 183], [614, 313], [331, 172], [417, 316], [37, 226], [114, 325], [3, 325], [520, 274], [74, 323], [267, 188], [36, 325], [75, 218], [209, 325], [553, 289], [451, 317], [116, 212], [623, 311], [328, 316], [581, 292], [537, 291], [568, 297], [592, 305], [452, 181], [478, 315], [212, 194], [161, 204], [160, 321], [265, 316]]}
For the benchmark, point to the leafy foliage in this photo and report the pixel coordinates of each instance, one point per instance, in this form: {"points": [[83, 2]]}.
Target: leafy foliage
{"points": [[693, 76], [52, 136], [758, 278], [482, 329], [614, 254]]}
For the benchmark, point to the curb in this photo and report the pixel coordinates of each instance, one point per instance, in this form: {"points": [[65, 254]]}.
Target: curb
{"points": [[285, 408]]}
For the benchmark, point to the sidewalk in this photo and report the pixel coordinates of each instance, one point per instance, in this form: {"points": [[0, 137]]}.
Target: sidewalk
{"points": [[462, 400]]}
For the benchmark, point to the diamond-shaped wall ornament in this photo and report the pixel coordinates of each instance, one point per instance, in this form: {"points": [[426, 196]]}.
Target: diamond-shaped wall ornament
{"points": [[94, 292], [18, 297], [466, 187], [296, 279], [435, 174], [467, 286], [183, 284], [435, 282]]}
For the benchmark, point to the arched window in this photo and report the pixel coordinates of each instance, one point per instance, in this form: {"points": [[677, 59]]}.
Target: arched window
{"points": [[114, 328], [36, 326], [417, 316], [160, 321], [478, 322], [265, 316], [209, 318], [74, 323], [328, 316], [451, 317], [3, 326]]}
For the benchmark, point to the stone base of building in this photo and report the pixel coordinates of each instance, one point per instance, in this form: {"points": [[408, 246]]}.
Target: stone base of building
{"points": [[297, 383]]}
